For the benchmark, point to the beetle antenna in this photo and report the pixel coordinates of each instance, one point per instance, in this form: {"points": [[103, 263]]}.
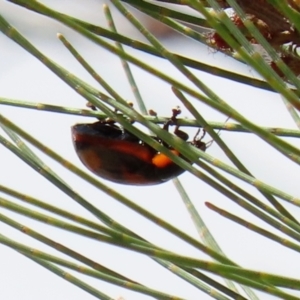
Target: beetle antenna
{"points": [[209, 143]]}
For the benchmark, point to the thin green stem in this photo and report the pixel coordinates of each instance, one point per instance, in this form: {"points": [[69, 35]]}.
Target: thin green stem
{"points": [[254, 228], [231, 127], [108, 277], [125, 64], [226, 271]]}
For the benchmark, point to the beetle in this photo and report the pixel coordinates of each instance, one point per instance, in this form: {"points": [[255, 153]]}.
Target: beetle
{"points": [[113, 153]]}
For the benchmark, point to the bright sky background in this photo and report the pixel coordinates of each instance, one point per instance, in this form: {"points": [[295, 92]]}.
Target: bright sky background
{"points": [[25, 78]]}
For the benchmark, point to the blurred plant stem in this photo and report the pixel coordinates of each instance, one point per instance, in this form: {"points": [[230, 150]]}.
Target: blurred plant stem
{"points": [[262, 34]]}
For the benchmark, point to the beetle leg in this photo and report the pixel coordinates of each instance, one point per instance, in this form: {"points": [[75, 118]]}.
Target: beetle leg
{"points": [[91, 106], [181, 134], [197, 135], [197, 141], [173, 121]]}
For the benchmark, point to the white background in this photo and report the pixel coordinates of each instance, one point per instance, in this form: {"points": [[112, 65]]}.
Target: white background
{"points": [[25, 78]]}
